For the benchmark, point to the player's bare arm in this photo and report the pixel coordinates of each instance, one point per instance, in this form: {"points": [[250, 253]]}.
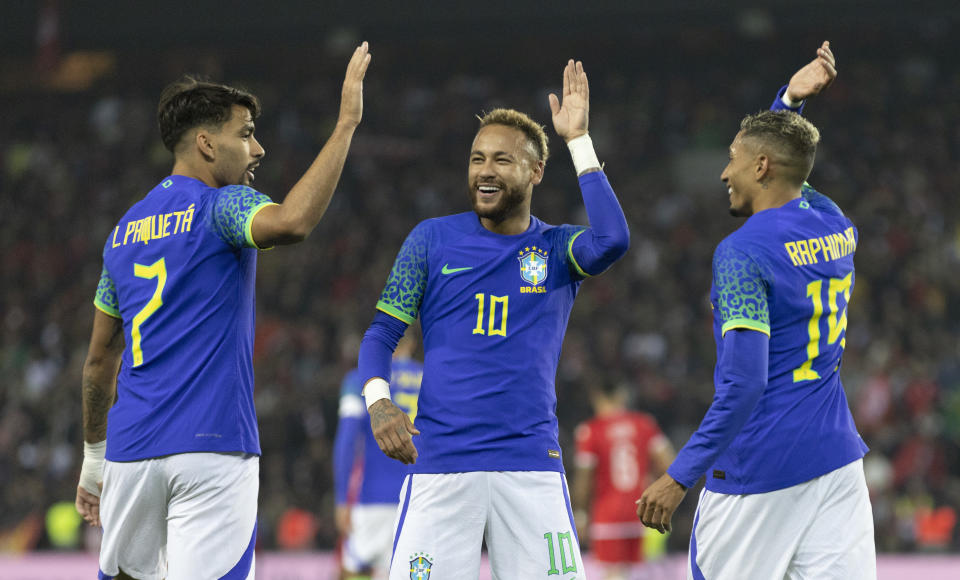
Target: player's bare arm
{"points": [[814, 77], [393, 431], [99, 390], [656, 506], [294, 219], [571, 115]]}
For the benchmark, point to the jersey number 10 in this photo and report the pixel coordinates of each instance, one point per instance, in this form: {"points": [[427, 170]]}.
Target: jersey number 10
{"points": [[836, 321], [493, 328]]}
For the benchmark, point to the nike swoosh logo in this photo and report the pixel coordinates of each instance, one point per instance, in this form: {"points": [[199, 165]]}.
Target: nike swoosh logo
{"points": [[448, 270]]}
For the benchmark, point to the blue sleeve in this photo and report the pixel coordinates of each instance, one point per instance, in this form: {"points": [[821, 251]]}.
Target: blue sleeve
{"points": [[741, 290], [740, 381], [403, 293], [106, 297], [348, 444], [349, 431], [596, 248], [779, 106], [234, 208], [376, 349]]}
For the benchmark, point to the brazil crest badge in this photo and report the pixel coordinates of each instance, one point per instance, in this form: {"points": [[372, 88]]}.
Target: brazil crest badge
{"points": [[420, 567], [533, 265]]}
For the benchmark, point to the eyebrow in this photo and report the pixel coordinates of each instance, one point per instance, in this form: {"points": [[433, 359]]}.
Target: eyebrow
{"points": [[493, 154]]}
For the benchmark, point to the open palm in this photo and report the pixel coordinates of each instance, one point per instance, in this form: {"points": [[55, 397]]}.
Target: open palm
{"points": [[570, 116]]}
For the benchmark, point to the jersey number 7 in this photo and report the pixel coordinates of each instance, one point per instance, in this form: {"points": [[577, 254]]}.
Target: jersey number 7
{"points": [[156, 270]]}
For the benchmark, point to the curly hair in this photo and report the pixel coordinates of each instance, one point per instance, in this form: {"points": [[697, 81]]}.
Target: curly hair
{"points": [[192, 102], [513, 118], [791, 139]]}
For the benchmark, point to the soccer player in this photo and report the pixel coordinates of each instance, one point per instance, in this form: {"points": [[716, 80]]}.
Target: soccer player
{"points": [[493, 289], [365, 522], [785, 493], [617, 452], [175, 315]]}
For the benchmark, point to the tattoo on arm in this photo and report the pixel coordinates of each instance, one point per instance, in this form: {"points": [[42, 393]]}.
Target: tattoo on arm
{"points": [[100, 385]]}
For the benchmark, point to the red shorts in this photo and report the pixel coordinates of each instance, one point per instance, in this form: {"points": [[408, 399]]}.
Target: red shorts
{"points": [[617, 551]]}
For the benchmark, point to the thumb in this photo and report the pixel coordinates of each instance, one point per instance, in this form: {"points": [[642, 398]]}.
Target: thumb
{"points": [[554, 103], [411, 429]]}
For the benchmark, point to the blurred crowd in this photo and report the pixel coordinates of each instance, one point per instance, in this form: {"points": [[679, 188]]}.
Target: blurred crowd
{"points": [[71, 163]]}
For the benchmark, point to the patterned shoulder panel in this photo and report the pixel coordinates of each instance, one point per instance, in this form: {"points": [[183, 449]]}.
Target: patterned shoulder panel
{"points": [[741, 290], [106, 297], [561, 240], [233, 209], [819, 202], [403, 294]]}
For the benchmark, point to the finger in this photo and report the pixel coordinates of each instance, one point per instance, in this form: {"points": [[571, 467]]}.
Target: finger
{"points": [[566, 79], [579, 75], [586, 87], [829, 68], [411, 428], [554, 104]]}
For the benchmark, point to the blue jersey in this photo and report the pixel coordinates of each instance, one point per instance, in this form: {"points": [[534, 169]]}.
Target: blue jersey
{"points": [[381, 476], [788, 272], [179, 270], [494, 309]]}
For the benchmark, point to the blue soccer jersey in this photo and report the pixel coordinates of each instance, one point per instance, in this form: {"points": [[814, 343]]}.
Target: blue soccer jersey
{"points": [[494, 309], [179, 270], [788, 272], [381, 477]]}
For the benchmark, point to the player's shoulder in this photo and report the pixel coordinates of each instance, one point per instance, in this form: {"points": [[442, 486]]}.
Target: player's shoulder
{"points": [[559, 236], [645, 420]]}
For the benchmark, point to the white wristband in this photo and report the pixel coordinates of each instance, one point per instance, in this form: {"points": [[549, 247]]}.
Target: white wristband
{"points": [[91, 472], [376, 389], [584, 157], [791, 104]]}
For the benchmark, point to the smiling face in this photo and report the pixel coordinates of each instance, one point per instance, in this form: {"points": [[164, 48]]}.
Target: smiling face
{"points": [[236, 152], [741, 175], [502, 171]]}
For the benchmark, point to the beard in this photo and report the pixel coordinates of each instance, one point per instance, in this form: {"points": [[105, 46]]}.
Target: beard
{"points": [[510, 199]]}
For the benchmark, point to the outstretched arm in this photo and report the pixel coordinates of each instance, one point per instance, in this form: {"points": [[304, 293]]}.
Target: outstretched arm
{"points": [[294, 219], [608, 237]]}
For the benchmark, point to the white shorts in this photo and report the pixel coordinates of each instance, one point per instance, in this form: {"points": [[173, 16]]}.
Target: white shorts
{"points": [[821, 529], [371, 538], [524, 517], [189, 515]]}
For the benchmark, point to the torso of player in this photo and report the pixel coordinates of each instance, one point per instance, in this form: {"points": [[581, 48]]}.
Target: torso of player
{"points": [[494, 311], [802, 426], [186, 298], [619, 448]]}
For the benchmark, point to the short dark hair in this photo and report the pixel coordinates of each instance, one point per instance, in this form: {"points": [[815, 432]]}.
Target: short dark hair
{"points": [[513, 118], [791, 138], [193, 102]]}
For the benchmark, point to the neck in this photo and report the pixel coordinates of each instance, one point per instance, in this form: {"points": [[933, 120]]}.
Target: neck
{"points": [[200, 172], [511, 225], [775, 196]]}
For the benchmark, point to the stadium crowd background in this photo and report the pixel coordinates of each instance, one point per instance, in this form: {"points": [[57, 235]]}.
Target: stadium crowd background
{"points": [[78, 145]]}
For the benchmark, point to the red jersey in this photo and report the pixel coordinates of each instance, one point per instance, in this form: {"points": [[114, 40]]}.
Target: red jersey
{"points": [[618, 448]]}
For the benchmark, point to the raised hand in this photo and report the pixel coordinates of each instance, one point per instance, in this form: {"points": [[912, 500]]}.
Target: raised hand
{"points": [[393, 431], [813, 78], [351, 98], [570, 116]]}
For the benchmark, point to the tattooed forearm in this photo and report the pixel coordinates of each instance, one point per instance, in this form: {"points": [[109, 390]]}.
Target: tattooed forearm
{"points": [[97, 400], [99, 385]]}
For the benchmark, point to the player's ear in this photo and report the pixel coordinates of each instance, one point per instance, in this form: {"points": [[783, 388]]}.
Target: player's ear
{"points": [[538, 167], [762, 167], [204, 143]]}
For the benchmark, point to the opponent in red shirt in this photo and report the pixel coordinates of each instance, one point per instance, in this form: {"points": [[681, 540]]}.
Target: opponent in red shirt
{"points": [[618, 453]]}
